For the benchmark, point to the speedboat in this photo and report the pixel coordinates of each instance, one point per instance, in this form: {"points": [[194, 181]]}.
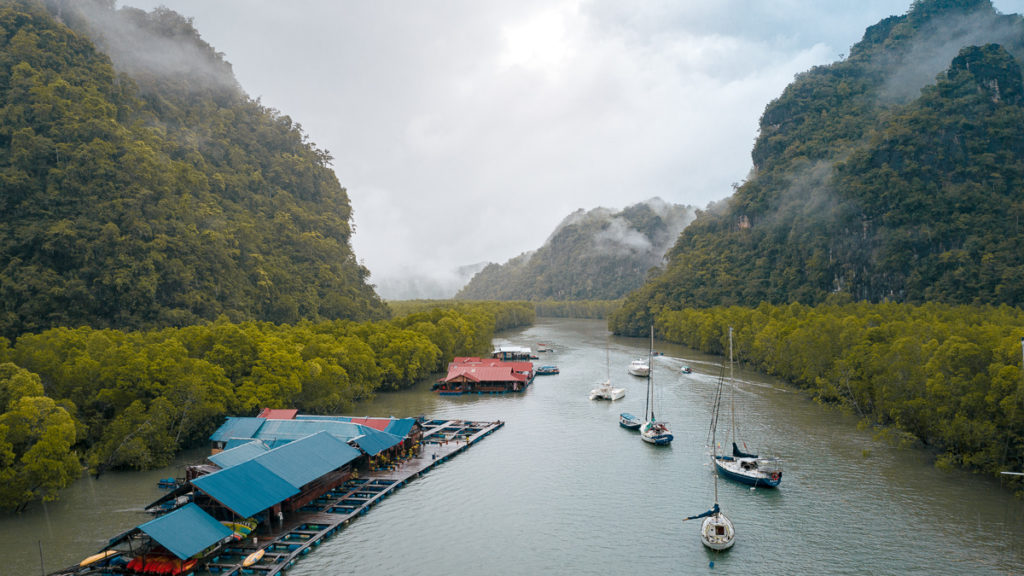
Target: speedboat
{"points": [[639, 367]]}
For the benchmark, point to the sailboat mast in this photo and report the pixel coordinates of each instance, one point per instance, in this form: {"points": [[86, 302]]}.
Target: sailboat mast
{"points": [[732, 396], [650, 376]]}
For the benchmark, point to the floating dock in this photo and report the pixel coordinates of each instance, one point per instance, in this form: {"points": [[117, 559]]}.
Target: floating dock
{"points": [[331, 512]]}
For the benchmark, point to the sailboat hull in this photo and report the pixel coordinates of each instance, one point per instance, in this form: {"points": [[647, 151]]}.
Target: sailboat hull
{"points": [[732, 468], [717, 532], [656, 433], [659, 440]]}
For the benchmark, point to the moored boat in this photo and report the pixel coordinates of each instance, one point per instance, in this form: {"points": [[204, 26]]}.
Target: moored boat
{"points": [[716, 530], [743, 467], [639, 367], [627, 420], [652, 430], [546, 370], [605, 391]]}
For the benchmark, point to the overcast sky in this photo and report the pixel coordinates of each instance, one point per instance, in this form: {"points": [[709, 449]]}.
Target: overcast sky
{"points": [[466, 130]]}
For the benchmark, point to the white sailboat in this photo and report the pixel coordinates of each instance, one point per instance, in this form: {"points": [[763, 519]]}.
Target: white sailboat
{"points": [[605, 390], [716, 530], [750, 469], [652, 430]]}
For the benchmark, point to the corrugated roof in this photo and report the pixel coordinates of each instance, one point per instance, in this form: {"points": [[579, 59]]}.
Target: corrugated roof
{"points": [[277, 433], [238, 454], [306, 459], [375, 423], [295, 429], [374, 441], [246, 488], [236, 442], [400, 427], [236, 427], [484, 373], [186, 531], [278, 413]]}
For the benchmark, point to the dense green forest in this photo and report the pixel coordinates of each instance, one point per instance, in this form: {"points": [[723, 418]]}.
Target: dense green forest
{"points": [[115, 399], [877, 177], [946, 376], [591, 255], [139, 194]]}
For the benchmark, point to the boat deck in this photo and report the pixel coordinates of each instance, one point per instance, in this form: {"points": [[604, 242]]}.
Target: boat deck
{"points": [[319, 520]]}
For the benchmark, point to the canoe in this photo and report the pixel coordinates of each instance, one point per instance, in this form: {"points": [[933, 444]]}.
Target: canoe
{"points": [[97, 557], [252, 558]]}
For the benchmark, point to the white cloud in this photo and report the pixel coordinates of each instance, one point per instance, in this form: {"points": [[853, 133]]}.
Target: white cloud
{"points": [[465, 131]]}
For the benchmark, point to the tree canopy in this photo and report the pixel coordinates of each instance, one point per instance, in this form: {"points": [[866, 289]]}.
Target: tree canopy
{"points": [[592, 255], [875, 177], [111, 399], [138, 195]]}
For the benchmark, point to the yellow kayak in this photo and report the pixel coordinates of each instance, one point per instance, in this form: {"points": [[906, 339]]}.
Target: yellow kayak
{"points": [[97, 557], [252, 558]]}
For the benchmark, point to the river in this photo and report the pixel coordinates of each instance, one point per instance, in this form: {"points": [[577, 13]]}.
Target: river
{"points": [[562, 489]]}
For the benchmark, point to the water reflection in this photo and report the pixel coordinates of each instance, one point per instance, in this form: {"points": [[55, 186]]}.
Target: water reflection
{"points": [[562, 489]]}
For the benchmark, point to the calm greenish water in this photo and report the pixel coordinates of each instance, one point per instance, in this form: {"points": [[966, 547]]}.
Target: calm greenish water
{"points": [[562, 489]]}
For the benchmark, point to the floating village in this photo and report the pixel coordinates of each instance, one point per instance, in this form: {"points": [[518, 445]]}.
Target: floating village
{"points": [[277, 485]]}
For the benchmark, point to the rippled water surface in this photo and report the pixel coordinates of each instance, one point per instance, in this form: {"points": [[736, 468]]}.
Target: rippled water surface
{"points": [[562, 489]]}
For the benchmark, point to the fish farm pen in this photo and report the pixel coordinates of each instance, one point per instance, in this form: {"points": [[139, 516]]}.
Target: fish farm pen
{"points": [[289, 528]]}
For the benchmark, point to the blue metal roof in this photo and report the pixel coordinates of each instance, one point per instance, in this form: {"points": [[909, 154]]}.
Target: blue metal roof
{"points": [[237, 428], [295, 429], [236, 442], [246, 488], [374, 442], [306, 459], [400, 426], [186, 531], [238, 454]]}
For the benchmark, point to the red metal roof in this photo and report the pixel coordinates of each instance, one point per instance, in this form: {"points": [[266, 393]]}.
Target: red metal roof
{"points": [[375, 423], [278, 414], [484, 373]]}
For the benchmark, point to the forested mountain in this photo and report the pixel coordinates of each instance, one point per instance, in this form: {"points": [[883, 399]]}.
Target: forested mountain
{"points": [[892, 175], [141, 187], [591, 255]]}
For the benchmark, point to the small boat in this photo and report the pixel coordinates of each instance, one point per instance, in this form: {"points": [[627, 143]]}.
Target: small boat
{"points": [[627, 420], [686, 370], [546, 370], [252, 558], [652, 430], [544, 348], [639, 367], [167, 483], [743, 467], [716, 530], [604, 390], [97, 557]]}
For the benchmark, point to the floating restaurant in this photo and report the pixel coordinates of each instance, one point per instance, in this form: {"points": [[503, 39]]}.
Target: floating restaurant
{"points": [[274, 487], [471, 375], [513, 353]]}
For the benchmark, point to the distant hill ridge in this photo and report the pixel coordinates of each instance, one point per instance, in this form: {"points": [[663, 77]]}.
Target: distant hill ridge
{"points": [[143, 188], [892, 175], [591, 255]]}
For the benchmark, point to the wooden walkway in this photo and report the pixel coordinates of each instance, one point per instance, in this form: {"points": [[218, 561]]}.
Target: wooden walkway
{"points": [[324, 517]]}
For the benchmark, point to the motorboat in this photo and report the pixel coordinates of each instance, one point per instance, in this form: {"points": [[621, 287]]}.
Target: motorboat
{"points": [[639, 367]]}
